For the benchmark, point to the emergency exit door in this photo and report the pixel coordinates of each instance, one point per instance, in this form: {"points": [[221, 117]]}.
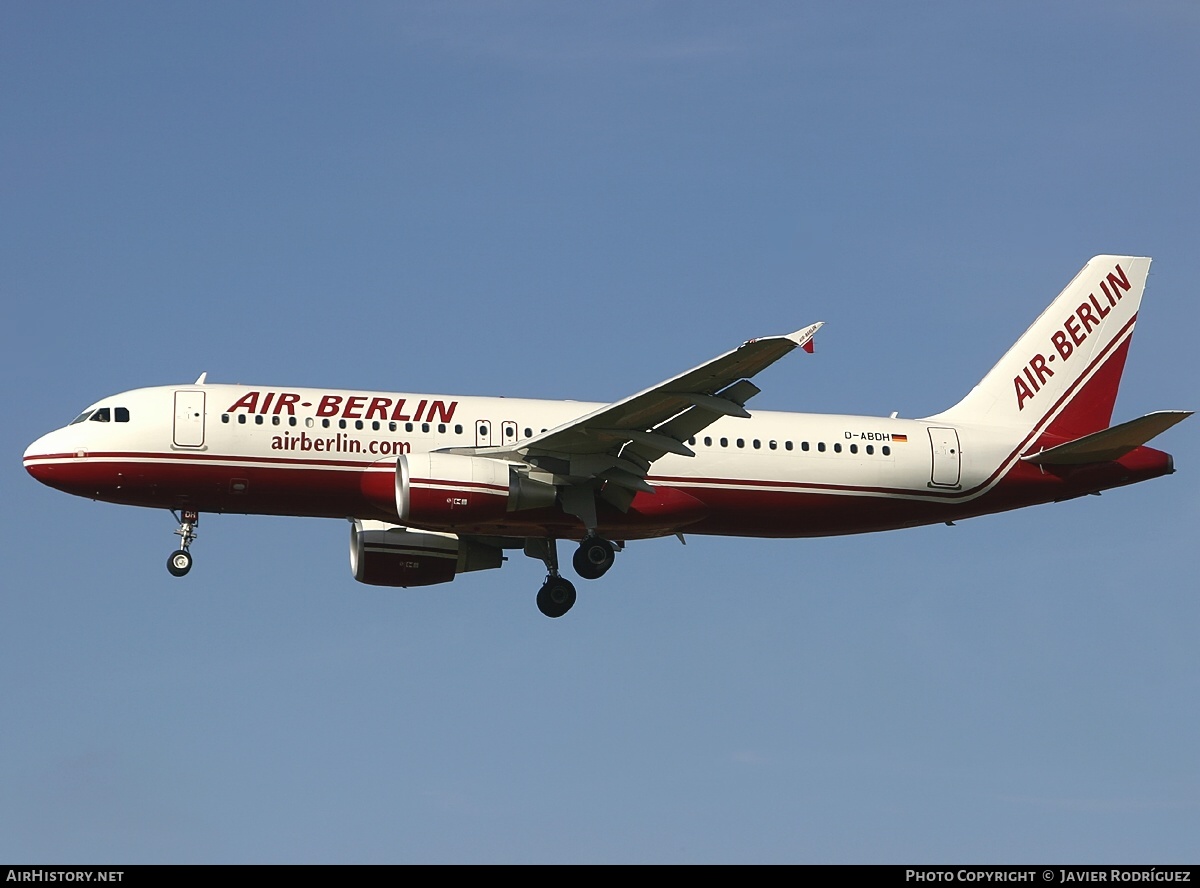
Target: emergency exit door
{"points": [[947, 466], [189, 419]]}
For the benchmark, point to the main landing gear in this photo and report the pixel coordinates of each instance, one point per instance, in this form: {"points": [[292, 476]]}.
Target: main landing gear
{"points": [[592, 560], [594, 557], [557, 595], [180, 561]]}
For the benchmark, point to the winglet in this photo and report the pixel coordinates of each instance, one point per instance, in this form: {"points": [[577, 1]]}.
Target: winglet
{"points": [[804, 338]]}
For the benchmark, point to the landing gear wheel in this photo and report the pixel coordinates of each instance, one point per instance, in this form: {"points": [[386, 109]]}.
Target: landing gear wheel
{"points": [[555, 597], [593, 558], [179, 563]]}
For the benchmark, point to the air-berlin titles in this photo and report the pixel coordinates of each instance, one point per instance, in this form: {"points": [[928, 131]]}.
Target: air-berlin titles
{"points": [[1074, 332], [339, 443], [345, 407]]}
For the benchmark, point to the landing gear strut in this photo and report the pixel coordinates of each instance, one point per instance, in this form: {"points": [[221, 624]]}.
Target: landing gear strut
{"points": [[180, 561], [557, 595], [593, 558]]}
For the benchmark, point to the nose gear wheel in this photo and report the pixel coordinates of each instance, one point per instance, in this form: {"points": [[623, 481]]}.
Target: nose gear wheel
{"points": [[180, 561]]}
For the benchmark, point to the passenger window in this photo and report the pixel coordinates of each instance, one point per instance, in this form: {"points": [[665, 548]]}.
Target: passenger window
{"points": [[529, 433], [341, 423], [820, 446], [275, 420], [408, 427], [441, 428], [358, 424], [241, 419], [854, 448], [458, 429], [741, 442], [757, 444], [258, 420], [708, 442], [887, 451], [325, 423], [425, 427], [375, 426], [224, 417], [787, 445], [870, 449], [837, 448], [724, 442], [771, 444], [804, 446]]}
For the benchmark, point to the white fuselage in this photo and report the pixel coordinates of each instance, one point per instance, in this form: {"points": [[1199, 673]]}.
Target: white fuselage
{"points": [[303, 451]]}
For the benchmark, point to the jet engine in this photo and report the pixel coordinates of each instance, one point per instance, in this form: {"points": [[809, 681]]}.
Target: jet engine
{"points": [[450, 490], [383, 554]]}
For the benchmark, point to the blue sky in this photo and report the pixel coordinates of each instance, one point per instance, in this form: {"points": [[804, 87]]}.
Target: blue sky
{"points": [[545, 200]]}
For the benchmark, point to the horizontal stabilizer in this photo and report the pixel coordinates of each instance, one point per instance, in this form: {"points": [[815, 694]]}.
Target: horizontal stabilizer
{"points": [[1109, 444]]}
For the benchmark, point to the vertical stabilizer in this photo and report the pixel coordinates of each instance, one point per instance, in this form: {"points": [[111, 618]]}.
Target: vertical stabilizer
{"points": [[1062, 375]]}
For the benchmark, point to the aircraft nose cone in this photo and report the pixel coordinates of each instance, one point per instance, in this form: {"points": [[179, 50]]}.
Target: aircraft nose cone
{"points": [[36, 459]]}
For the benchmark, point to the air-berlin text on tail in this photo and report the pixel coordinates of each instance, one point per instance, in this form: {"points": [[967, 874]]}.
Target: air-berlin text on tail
{"points": [[345, 406], [1079, 324]]}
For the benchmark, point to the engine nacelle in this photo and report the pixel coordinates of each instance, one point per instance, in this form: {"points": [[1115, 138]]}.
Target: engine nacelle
{"points": [[451, 490], [383, 554]]}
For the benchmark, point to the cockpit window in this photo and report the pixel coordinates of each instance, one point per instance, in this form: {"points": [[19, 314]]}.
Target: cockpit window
{"points": [[116, 414]]}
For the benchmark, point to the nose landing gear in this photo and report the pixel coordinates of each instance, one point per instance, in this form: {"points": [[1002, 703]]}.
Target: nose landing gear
{"points": [[180, 561]]}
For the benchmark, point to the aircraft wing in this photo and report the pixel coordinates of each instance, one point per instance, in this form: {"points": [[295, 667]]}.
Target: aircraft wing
{"points": [[618, 442]]}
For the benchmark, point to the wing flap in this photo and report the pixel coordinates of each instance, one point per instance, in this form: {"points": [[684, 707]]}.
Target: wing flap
{"points": [[655, 440]]}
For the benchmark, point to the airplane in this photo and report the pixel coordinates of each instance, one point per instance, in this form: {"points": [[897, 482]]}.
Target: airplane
{"points": [[436, 485]]}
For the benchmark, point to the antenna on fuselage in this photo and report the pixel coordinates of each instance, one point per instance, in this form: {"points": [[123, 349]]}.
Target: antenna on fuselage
{"points": [[200, 380]]}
